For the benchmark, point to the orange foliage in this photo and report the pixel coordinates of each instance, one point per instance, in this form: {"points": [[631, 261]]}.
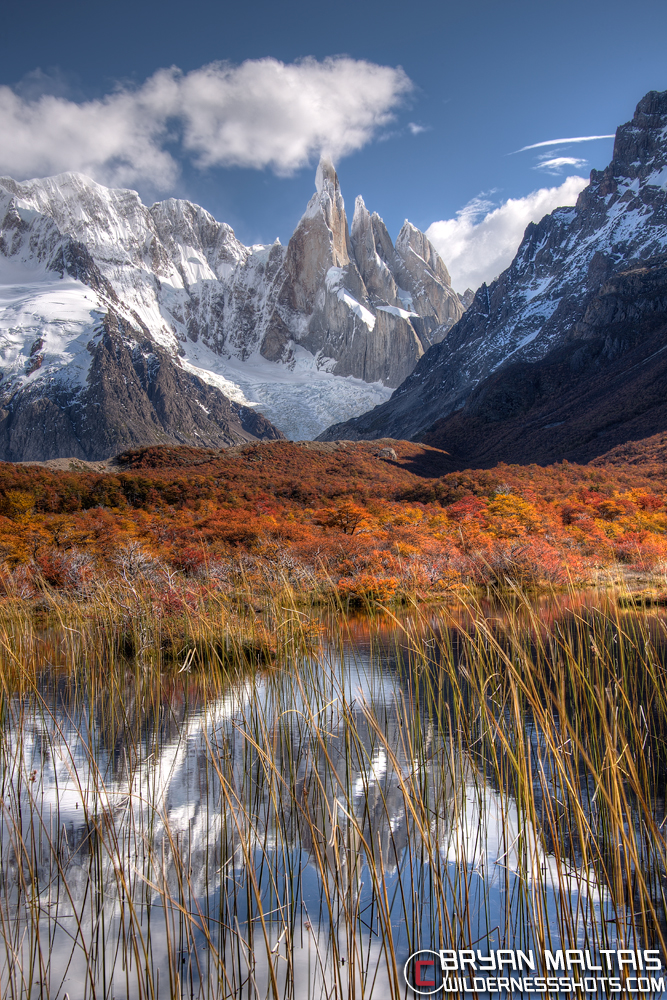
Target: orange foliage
{"points": [[343, 514], [365, 587], [312, 513]]}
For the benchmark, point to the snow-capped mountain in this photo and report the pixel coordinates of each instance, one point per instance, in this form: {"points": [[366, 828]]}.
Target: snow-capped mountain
{"points": [[539, 366], [123, 325]]}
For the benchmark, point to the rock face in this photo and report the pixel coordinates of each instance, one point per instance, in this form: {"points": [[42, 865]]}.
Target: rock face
{"points": [[355, 298], [531, 372], [603, 388], [268, 326]]}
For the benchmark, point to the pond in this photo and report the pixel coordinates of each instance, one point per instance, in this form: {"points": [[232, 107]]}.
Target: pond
{"points": [[479, 778]]}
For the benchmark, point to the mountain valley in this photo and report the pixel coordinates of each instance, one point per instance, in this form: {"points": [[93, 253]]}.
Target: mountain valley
{"points": [[123, 326]]}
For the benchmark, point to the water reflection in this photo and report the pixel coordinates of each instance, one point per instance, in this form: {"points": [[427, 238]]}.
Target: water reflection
{"points": [[295, 833]]}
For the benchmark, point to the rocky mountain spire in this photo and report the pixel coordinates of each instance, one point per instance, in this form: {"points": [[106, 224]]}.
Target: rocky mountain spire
{"points": [[373, 268], [330, 202], [320, 241]]}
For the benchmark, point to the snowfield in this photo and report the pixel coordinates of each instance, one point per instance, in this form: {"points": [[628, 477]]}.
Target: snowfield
{"points": [[46, 324]]}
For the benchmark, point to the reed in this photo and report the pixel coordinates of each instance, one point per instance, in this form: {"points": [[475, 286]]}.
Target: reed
{"points": [[214, 799]]}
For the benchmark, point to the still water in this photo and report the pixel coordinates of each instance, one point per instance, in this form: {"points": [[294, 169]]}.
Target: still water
{"points": [[300, 830]]}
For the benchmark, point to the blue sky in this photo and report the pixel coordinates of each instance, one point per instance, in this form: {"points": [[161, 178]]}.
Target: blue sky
{"points": [[479, 80]]}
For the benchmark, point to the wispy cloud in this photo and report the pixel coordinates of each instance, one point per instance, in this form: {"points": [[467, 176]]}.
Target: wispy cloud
{"points": [[260, 114], [416, 129], [562, 142], [555, 164], [482, 240]]}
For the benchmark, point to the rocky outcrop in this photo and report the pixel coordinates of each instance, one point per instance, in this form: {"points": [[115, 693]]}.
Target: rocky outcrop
{"points": [[545, 310]]}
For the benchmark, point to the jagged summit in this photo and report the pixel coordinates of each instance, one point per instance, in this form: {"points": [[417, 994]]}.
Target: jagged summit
{"points": [[640, 150], [100, 293], [328, 206], [379, 306], [374, 255], [411, 240], [326, 178], [564, 310]]}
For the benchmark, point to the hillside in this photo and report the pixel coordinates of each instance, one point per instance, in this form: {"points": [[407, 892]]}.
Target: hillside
{"points": [[602, 389]]}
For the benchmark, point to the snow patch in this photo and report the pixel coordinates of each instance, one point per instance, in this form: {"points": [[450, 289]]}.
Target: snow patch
{"points": [[46, 324], [405, 298], [395, 311], [334, 283], [538, 288], [658, 178], [365, 315], [626, 185], [313, 208]]}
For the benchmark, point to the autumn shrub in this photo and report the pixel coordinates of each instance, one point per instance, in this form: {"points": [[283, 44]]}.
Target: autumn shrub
{"points": [[366, 588], [169, 604], [19, 582], [344, 514], [574, 513], [71, 570], [641, 551], [18, 505], [508, 515], [466, 508], [648, 501], [189, 559]]}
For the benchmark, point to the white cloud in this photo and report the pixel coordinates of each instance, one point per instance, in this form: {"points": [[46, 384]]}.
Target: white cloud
{"points": [[114, 140], [481, 241], [555, 164], [263, 113], [562, 142], [416, 129]]}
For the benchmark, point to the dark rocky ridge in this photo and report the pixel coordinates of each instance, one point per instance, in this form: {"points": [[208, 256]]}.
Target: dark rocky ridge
{"points": [[606, 387], [556, 337], [135, 395]]}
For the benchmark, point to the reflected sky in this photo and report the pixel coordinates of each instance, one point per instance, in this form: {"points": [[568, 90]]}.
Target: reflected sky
{"points": [[292, 832]]}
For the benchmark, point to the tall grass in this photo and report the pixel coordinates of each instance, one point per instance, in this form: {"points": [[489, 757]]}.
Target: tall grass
{"points": [[223, 802]]}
